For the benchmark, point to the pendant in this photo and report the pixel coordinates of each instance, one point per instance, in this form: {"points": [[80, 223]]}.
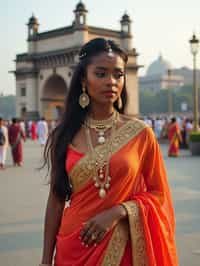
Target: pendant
{"points": [[96, 185], [101, 176], [101, 140], [107, 185], [102, 193]]}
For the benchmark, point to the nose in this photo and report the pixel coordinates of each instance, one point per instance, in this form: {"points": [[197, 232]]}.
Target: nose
{"points": [[111, 80]]}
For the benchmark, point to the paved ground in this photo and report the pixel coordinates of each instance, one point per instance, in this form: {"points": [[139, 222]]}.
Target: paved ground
{"points": [[23, 196]]}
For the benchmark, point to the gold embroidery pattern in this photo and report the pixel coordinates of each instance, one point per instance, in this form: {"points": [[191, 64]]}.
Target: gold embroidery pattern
{"points": [[117, 244], [84, 170], [137, 234]]}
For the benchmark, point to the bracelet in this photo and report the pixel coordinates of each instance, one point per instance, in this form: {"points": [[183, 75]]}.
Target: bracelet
{"points": [[43, 264]]}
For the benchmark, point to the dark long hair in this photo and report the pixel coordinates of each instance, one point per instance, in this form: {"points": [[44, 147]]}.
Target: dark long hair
{"points": [[74, 116]]}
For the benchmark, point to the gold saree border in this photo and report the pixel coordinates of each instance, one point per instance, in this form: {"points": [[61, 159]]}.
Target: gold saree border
{"points": [[84, 169], [117, 244], [138, 245]]}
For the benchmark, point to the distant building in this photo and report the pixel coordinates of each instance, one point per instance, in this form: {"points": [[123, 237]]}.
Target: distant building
{"points": [[44, 72], [157, 78], [187, 74]]}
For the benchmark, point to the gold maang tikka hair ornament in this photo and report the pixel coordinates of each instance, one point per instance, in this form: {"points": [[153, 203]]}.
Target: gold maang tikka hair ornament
{"points": [[84, 99], [110, 51]]}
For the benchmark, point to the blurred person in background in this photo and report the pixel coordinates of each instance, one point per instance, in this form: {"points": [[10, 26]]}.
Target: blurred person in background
{"points": [[42, 131], [16, 135], [158, 127], [188, 129], [174, 136], [3, 143], [33, 130]]}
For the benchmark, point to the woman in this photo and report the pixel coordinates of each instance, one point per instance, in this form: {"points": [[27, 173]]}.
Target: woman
{"points": [[188, 128], [110, 168], [3, 143], [16, 135], [42, 131], [33, 130], [174, 136]]}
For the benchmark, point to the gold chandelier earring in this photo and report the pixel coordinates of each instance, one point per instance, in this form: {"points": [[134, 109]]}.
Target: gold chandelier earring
{"points": [[84, 99], [119, 102]]}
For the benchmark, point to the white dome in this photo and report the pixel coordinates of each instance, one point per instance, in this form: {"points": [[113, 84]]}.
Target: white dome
{"points": [[159, 67]]}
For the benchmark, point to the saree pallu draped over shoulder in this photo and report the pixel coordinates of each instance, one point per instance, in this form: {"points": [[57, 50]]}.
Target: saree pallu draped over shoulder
{"points": [[139, 183]]}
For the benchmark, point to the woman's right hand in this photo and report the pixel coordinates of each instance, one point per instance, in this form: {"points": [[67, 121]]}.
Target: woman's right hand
{"points": [[96, 228]]}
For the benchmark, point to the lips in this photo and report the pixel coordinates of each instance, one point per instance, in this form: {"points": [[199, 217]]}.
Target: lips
{"points": [[110, 92]]}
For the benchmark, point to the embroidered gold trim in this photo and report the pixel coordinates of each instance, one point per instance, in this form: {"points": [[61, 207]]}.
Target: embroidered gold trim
{"points": [[84, 169], [117, 244], [139, 255]]}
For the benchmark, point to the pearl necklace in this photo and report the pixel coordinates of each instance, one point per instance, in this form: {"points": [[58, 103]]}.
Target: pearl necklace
{"points": [[102, 178], [101, 126]]}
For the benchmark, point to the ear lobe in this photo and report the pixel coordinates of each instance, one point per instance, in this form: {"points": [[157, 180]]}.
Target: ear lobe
{"points": [[83, 83]]}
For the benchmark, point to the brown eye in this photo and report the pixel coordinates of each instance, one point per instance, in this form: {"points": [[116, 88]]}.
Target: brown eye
{"points": [[118, 75], [100, 74]]}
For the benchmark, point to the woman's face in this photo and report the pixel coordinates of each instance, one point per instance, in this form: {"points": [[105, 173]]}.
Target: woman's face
{"points": [[105, 78]]}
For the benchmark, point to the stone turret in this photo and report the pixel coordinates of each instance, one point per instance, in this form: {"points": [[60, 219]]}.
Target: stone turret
{"points": [[80, 15], [126, 31], [33, 26]]}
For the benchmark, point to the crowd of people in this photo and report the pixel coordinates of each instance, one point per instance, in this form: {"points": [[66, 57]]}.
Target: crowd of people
{"points": [[14, 132]]}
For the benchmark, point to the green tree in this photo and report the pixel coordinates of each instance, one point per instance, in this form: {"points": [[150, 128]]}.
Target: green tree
{"points": [[151, 102]]}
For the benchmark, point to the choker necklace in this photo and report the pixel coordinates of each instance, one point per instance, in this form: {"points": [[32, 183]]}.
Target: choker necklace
{"points": [[101, 126]]}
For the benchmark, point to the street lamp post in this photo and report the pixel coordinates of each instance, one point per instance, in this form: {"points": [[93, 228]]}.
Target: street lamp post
{"points": [[170, 108], [194, 45]]}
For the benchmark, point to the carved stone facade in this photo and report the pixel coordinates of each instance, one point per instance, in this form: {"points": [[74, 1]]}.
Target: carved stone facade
{"points": [[43, 74]]}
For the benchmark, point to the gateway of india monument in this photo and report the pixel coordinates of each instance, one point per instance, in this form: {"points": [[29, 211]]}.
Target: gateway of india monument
{"points": [[43, 73]]}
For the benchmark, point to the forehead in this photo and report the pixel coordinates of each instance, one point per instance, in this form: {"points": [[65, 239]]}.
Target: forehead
{"points": [[103, 60]]}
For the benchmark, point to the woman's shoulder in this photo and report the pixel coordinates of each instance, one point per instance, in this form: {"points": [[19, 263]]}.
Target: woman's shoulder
{"points": [[133, 121], [134, 126]]}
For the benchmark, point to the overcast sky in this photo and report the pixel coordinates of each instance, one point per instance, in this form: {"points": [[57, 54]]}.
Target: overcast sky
{"points": [[158, 27]]}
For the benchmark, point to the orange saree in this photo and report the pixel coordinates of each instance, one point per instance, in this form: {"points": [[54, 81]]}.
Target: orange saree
{"points": [[174, 137], [138, 182]]}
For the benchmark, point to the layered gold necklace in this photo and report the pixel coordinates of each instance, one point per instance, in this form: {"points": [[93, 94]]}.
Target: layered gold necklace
{"points": [[102, 176], [101, 126]]}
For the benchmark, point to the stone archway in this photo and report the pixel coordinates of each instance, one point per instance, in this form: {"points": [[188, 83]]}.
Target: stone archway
{"points": [[54, 93]]}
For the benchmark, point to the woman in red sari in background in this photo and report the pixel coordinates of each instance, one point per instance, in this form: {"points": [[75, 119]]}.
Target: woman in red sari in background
{"points": [[33, 130], [110, 168], [16, 135], [174, 136]]}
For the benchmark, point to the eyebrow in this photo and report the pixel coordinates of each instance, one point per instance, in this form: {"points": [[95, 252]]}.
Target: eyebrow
{"points": [[104, 68]]}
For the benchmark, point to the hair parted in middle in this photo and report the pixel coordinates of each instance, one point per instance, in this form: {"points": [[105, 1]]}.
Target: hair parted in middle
{"points": [[73, 116]]}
